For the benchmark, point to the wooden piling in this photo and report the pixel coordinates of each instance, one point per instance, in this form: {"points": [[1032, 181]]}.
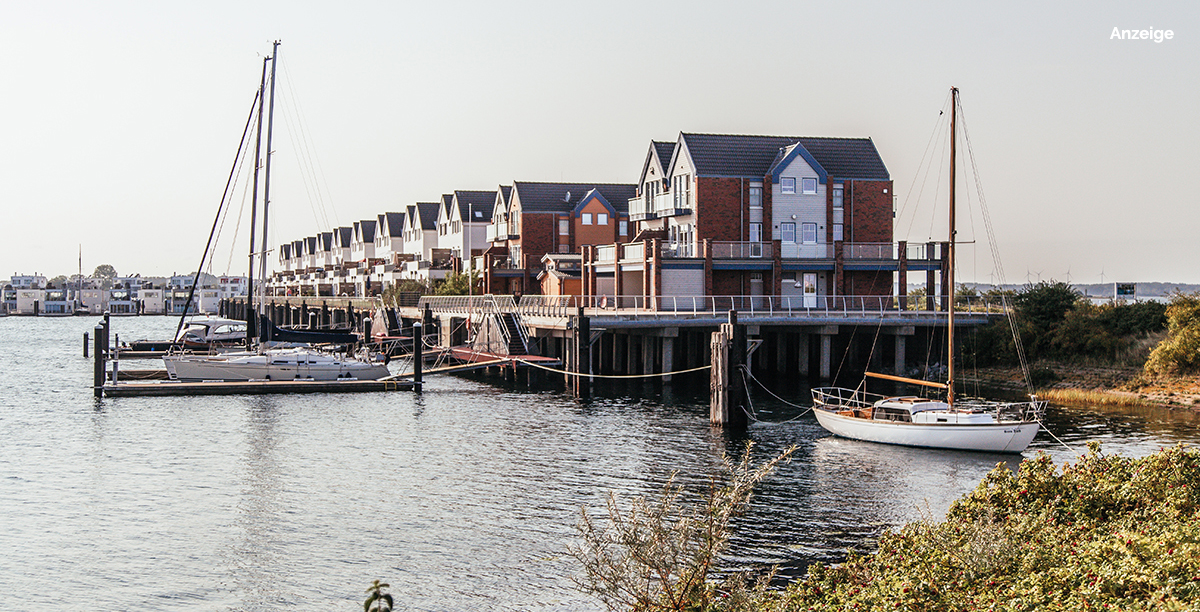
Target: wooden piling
{"points": [[418, 359], [98, 362], [85, 345], [583, 355], [727, 403]]}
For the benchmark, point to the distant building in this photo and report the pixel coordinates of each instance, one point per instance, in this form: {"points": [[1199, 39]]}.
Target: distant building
{"points": [[24, 281]]}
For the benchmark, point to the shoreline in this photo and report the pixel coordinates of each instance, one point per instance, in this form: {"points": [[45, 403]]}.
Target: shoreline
{"points": [[1108, 384]]}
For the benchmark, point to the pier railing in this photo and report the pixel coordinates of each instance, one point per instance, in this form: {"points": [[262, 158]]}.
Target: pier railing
{"points": [[637, 306]]}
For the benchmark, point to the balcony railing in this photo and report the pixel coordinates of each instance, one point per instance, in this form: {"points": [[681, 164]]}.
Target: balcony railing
{"points": [[606, 253], [742, 250], [640, 209], [635, 251], [665, 205], [869, 250], [792, 250]]}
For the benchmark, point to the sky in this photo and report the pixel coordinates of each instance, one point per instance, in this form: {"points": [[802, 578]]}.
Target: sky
{"points": [[121, 120]]}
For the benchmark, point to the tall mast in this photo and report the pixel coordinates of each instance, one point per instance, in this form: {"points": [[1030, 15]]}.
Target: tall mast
{"points": [[262, 259], [950, 253], [251, 307]]}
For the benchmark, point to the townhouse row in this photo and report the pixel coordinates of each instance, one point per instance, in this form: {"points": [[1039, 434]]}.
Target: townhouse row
{"points": [[710, 215]]}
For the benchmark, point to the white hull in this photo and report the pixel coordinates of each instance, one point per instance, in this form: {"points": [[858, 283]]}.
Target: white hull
{"points": [[273, 365], [1011, 437]]}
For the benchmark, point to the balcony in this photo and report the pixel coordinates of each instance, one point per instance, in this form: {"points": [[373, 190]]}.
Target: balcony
{"points": [[665, 206], [641, 209], [497, 233], [819, 250], [635, 251], [870, 250], [606, 253], [742, 250]]}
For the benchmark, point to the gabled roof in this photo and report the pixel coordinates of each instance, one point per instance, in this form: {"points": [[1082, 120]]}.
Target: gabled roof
{"points": [[563, 197], [365, 230], [659, 156], [478, 202], [285, 251], [426, 213], [756, 156], [342, 236], [310, 245], [326, 241], [391, 224], [447, 201]]}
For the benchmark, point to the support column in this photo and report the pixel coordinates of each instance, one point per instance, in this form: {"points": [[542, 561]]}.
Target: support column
{"points": [[901, 341], [826, 366], [668, 357], [802, 364]]}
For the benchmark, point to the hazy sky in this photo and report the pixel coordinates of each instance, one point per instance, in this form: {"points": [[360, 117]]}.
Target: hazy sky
{"points": [[121, 119]]}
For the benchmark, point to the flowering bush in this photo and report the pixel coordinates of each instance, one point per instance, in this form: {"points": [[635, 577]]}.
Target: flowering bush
{"points": [[1105, 533]]}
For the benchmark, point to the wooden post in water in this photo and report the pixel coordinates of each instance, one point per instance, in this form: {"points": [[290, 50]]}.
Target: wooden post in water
{"points": [[98, 362], [85, 345], [583, 355], [417, 357], [728, 394]]}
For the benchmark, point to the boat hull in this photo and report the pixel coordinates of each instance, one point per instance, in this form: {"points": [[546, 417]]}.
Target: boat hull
{"points": [[242, 368], [1012, 437]]}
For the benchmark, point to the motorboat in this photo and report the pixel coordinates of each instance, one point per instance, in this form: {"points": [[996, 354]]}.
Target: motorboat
{"points": [[298, 363]]}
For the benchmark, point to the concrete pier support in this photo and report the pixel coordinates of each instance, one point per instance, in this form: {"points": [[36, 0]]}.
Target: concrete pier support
{"points": [[802, 364], [668, 357], [901, 341], [826, 360]]}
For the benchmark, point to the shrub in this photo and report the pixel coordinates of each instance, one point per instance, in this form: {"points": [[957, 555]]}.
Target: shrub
{"points": [[1108, 532], [1179, 353]]}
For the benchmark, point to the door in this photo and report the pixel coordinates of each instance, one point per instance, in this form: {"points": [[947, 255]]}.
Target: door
{"points": [[810, 289]]}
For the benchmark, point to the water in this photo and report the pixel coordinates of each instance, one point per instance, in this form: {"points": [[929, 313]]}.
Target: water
{"points": [[463, 498]]}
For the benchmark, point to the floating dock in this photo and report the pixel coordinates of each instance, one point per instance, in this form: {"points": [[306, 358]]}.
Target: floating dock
{"points": [[253, 387]]}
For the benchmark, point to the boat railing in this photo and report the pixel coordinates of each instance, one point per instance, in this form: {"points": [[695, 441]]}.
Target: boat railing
{"points": [[845, 399]]}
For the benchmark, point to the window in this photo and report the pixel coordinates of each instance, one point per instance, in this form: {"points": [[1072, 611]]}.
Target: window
{"points": [[756, 234], [808, 233], [787, 185], [601, 218], [837, 195], [623, 228], [838, 232], [587, 218], [787, 232], [564, 248], [808, 185], [756, 197], [564, 227]]}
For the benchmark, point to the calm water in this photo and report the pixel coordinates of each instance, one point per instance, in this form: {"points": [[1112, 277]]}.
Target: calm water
{"points": [[465, 497]]}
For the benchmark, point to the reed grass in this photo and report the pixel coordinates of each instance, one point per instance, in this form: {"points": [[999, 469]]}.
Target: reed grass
{"points": [[1084, 397]]}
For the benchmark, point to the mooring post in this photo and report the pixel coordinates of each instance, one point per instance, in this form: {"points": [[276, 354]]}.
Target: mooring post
{"points": [[107, 330], [418, 335], [583, 355], [98, 362], [85, 345], [728, 405]]}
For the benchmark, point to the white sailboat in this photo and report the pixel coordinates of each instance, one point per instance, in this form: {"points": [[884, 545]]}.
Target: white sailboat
{"points": [[292, 363], [963, 424]]}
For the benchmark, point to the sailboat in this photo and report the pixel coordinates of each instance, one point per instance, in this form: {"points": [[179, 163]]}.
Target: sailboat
{"points": [[258, 362], [963, 424]]}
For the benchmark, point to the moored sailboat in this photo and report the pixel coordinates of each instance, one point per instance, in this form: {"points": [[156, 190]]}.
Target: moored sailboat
{"points": [[963, 424]]}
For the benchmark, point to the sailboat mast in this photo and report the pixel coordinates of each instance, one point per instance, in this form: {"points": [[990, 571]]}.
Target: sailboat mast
{"points": [[950, 253], [251, 306], [262, 259]]}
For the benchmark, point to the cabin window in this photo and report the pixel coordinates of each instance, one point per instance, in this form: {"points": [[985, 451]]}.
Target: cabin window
{"points": [[808, 233], [787, 232], [808, 185], [787, 185]]}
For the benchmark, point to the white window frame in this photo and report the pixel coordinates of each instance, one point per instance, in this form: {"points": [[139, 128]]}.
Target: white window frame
{"points": [[839, 194], [787, 185], [756, 232], [623, 228], [839, 232], [564, 227], [787, 231], [808, 186], [808, 233], [601, 218], [756, 199], [586, 218]]}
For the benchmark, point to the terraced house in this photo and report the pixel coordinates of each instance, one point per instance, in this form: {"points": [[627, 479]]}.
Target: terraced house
{"points": [[738, 215]]}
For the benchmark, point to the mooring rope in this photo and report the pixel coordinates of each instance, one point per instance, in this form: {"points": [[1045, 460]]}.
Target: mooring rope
{"points": [[549, 369], [746, 373]]}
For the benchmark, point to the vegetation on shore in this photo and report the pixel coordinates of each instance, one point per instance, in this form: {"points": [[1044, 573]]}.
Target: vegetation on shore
{"points": [[1106, 532]]}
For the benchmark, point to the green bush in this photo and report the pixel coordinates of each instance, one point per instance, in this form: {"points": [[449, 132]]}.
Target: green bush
{"points": [[1179, 353], [1107, 532]]}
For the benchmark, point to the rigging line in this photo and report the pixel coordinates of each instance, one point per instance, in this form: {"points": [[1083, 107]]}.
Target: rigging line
{"points": [[1010, 312], [937, 126], [301, 164], [313, 161], [1056, 438], [937, 154], [549, 369], [241, 208], [241, 162], [224, 194]]}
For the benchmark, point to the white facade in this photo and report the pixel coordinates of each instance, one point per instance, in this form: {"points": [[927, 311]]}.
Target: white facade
{"points": [[798, 201], [232, 286], [25, 281], [153, 301], [29, 300]]}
